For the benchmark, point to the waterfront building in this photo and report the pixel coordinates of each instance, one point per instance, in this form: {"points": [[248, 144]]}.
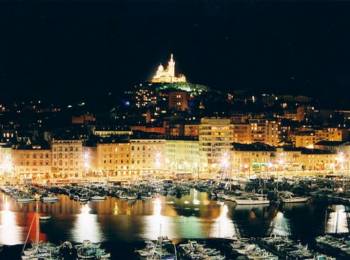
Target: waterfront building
{"points": [[31, 162], [67, 159], [6, 161], [250, 159], [319, 160], [90, 166], [113, 158], [147, 157], [215, 140], [182, 157]]}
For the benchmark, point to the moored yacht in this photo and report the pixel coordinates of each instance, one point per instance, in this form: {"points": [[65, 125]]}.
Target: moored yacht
{"points": [[161, 249], [49, 198], [288, 197], [251, 200], [98, 197], [89, 250]]}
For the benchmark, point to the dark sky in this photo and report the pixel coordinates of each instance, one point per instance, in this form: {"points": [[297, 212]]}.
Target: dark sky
{"points": [[67, 49]]}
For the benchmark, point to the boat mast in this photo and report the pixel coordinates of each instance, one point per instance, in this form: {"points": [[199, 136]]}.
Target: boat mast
{"points": [[37, 224]]}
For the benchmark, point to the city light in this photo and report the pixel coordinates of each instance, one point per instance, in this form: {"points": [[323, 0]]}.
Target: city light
{"points": [[6, 166], [86, 161], [157, 160], [225, 161]]}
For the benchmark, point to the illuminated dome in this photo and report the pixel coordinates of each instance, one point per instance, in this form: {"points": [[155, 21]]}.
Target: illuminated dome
{"points": [[167, 75]]}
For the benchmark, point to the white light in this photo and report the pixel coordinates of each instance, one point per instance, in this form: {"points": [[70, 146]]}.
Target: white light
{"points": [[225, 161], [158, 160], [86, 160], [340, 157], [86, 226], [6, 165]]}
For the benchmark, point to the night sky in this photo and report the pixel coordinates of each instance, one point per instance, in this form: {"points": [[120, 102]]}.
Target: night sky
{"points": [[64, 50]]}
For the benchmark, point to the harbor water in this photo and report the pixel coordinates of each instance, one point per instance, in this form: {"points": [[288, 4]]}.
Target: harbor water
{"points": [[121, 226]]}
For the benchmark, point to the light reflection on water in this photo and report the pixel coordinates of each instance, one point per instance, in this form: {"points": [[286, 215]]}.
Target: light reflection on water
{"points": [[280, 225], [86, 226], [10, 232], [337, 221], [191, 216]]}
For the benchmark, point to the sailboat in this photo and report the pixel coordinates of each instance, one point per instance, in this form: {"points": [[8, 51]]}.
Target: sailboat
{"points": [[38, 250], [161, 249], [253, 199]]}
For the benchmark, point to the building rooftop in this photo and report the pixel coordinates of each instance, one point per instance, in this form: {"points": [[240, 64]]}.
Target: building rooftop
{"points": [[332, 143], [253, 147]]}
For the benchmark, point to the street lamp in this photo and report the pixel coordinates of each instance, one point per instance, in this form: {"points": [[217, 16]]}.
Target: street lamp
{"points": [[157, 161], [86, 162], [225, 163], [341, 159], [6, 165]]}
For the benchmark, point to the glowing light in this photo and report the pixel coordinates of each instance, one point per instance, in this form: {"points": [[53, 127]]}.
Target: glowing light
{"points": [[281, 161], [158, 160], [225, 161], [195, 200], [223, 225], [157, 224], [280, 225], [86, 226], [340, 157], [337, 220], [6, 166], [86, 160], [167, 75], [10, 232]]}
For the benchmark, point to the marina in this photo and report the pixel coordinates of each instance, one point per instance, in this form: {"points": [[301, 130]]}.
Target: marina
{"points": [[148, 221]]}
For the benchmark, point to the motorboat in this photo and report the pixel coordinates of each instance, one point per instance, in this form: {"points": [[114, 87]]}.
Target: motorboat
{"points": [[251, 200], [97, 197], [49, 198], [24, 199], [89, 250], [161, 249], [288, 197], [43, 218]]}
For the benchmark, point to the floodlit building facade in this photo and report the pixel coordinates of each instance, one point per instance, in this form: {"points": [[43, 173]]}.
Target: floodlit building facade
{"points": [[113, 159], [309, 138], [67, 159], [257, 130], [215, 140], [31, 162], [182, 157], [147, 157]]}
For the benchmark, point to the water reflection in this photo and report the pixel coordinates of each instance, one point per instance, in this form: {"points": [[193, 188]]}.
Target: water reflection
{"points": [[157, 224], [86, 226], [10, 233], [337, 220], [191, 216], [223, 225], [280, 225]]}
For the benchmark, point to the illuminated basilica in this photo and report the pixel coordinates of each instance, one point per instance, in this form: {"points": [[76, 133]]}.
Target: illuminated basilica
{"points": [[167, 75]]}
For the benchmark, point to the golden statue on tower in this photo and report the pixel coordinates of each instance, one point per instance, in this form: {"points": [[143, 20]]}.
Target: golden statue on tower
{"points": [[167, 75]]}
